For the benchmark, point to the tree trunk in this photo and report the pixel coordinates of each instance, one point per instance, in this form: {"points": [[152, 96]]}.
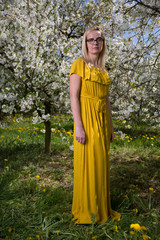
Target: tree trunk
{"points": [[48, 137], [48, 128]]}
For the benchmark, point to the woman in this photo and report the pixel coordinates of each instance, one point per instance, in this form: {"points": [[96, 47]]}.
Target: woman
{"points": [[89, 85]]}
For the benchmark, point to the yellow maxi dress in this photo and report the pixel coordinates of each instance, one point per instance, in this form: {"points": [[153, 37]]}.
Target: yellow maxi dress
{"points": [[91, 191]]}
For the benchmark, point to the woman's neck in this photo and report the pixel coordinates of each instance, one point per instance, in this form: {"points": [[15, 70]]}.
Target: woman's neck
{"points": [[94, 60]]}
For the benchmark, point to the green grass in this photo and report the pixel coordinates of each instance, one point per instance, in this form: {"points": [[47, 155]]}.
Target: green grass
{"points": [[36, 189]]}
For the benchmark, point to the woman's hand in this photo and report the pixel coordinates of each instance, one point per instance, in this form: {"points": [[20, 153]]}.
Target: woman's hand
{"points": [[112, 134], [80, 135]]}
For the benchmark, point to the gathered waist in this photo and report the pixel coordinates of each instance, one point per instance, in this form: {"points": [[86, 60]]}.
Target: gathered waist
{"points": [[94, 97], [100, 105]]}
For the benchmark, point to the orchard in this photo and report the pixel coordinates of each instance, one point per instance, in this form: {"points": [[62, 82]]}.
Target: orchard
{"points": [[40, 39], [38, 42]]}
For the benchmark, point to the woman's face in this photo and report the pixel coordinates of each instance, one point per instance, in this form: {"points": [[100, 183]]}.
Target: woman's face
{"points": [[94, 42]]}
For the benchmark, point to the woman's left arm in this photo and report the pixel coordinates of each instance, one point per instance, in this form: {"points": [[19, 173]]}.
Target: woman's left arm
{"points": [[110, 116]]}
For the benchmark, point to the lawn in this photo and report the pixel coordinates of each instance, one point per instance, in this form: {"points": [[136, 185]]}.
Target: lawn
{"points": [[36, 189]]}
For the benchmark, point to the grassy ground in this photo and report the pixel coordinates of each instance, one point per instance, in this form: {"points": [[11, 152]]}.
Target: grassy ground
{"points": [[36, 189]]}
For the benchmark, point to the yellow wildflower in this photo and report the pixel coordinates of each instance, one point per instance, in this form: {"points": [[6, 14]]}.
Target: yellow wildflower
{"points": [[95, 237], [104, 228], [2, 136], [151, 189], [145, 237], [10, 230], [136, 210], [70, 134], [44, 190], [126, 197], [38, 237], [116, 229], [37, 176], [29, 238], [131, 232], [5, 159], [143, 228], [7, 167], [58, 233], [136, 226]]}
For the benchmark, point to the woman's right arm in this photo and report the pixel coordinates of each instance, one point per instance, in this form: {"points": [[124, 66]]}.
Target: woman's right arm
{"points": [[75, 87]]}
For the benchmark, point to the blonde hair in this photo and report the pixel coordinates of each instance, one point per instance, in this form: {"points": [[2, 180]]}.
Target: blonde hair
{"points": [[86, 58]]}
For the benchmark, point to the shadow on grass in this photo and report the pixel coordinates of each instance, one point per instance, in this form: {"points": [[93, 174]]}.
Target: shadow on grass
{"points": [[134, 175], [25, 206]]}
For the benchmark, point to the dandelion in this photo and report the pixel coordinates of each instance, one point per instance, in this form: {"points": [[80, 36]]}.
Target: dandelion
{"points": [[132, 232], [116, 229], [5, 159], [151, 189], [69, 133], [7, 167], [2, 136], [44, 190], [10, 230], [17, 136], [143, 228], [38, 237], [136, 226], [58, 232], [94, 237], [126, 197], [37, 176], [145, 237]]}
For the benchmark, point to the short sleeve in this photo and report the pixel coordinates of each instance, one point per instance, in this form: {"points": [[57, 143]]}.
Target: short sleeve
{"points": [[77, 67]]}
